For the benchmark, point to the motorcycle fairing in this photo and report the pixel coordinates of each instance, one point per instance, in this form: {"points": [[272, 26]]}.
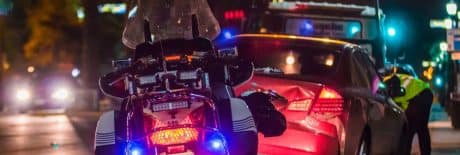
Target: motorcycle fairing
{"points": [[105, 130], [173, 46], [169, 19], [241, 118]]}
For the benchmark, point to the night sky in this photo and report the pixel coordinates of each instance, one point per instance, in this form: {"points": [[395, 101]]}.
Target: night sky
{"points": [[412, 18]]}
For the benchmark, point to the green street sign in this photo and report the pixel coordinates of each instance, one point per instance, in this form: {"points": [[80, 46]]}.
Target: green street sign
{"points": [[441, 23]]}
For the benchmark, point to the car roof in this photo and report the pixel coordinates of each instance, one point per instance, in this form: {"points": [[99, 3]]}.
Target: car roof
{"points": [[317, 41]]}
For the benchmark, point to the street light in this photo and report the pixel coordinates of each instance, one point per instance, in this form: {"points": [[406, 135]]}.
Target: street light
{"points": [[448, 23], [451, 8], [30, 69], [443, 46]]}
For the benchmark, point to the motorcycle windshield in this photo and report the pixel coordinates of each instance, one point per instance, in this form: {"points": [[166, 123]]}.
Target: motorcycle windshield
{"points": [[169, 19]]}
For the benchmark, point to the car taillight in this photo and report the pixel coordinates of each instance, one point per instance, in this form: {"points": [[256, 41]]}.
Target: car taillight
{"points": [[234, 15], [174, 136], [328, 101], [300, 105]]}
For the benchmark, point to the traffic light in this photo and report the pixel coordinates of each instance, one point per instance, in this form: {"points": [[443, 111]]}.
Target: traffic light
{"points": [[438, 81], [391, 31]]}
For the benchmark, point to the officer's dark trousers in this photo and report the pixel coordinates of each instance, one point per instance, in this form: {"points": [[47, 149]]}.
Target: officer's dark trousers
{"points": [[418, 114]]}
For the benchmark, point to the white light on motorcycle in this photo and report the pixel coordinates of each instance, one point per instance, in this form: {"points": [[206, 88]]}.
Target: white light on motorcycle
{"points": [[61, 94], [188, 75], [149, 79], [23, 94], [170, 106]]}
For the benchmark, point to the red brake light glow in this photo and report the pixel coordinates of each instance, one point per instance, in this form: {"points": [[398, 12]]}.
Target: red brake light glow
{"points": [[174, 136], [301, 6], [234, 14], [176, 149], [328, 93], [329, 100]]}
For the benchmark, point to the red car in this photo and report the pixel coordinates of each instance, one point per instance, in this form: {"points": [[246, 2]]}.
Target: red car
{"points": [[331, 96]]}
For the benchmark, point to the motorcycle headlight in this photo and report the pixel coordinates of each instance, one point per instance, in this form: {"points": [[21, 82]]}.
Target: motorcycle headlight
{"points": [[61, 94], [23, 94]]}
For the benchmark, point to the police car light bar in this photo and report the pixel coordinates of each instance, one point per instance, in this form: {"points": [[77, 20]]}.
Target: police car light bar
{"points": [[291, 6]]}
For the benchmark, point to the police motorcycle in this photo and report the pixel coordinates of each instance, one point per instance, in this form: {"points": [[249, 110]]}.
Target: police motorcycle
{"points": [[175, 95]]}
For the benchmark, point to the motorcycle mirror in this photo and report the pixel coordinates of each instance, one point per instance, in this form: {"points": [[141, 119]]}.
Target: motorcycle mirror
{"points": [[241, 72], [270, 122], [121, 64], [227, 53]]}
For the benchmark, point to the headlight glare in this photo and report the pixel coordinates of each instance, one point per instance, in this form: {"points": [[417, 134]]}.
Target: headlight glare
{"points": [[23, 94], [61, 94]]}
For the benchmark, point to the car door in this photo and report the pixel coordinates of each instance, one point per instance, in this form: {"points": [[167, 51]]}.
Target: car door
{"points": [[357, 93], [384, 117]]}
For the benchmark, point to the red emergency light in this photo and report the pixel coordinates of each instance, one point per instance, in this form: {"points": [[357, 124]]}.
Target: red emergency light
{"points": [[301, 7], [234, 15]]}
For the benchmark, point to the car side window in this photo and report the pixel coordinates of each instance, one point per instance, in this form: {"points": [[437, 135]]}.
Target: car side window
{"points": [[358, 72], [371, 73]]}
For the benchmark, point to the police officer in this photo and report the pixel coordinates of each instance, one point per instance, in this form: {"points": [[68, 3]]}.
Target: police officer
{"points": [[416, 101]]}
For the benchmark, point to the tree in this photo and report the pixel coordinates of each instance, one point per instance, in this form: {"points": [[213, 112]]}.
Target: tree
{"points": [[54, 32], [90, 55], [97, 52]]}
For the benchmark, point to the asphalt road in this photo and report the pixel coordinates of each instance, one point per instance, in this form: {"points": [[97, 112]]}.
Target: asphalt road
{"points": [[72, 134], [445, 140], [24, 134]]}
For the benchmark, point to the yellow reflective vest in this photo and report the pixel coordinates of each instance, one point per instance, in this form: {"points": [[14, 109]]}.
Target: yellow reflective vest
{"points": [[413, 87]]}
